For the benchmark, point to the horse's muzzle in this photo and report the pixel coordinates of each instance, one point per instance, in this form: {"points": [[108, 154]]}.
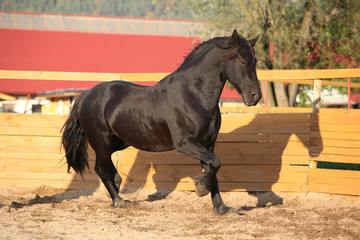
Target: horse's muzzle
{"points": [[253, 99]]}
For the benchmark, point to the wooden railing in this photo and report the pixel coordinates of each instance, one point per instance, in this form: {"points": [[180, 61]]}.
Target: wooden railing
{"points": [[260, 150], [263, 149], [290, 76], [311, 77]]}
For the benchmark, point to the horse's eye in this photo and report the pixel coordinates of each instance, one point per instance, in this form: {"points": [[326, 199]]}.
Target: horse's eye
{"points": [[242, 62]]}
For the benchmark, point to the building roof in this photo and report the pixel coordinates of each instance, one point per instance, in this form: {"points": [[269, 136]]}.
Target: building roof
{"points": [[98, 24]]}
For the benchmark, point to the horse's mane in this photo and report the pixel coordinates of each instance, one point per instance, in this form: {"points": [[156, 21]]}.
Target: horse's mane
{"points": [[197, 52], [221, 42]]}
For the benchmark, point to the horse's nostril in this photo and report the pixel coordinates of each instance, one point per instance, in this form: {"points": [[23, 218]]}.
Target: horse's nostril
{"points": [[254, 97]]}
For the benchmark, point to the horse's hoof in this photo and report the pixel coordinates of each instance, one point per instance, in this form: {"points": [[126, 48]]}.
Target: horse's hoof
{"points": [[117, 180], [224, 210], [119, 203], [200, 188]]}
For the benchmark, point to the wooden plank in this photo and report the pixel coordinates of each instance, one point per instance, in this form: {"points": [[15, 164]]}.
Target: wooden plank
{"points": [[266, 123], [226, 168], [311, 82], [35, 151], [337, 158], [257, 148], [32, 120], [228, 111], [171, 186], [276, 187], [335, 135], [262, 75], [159, 158], [224, 186], [285, 74], [335, 173], [331, 180], [81, 184], [335, 189], [44, 141], [261, 137], [335, 150], [30, 131], [285, 149], [262, 110], [278, 118], [259, 145], [278, 150], [55, 176], [241, 160], [165, 175], [249, 173], [34, 166], [234, 149], [7, 97], [336, 73], [339, 84], [336, 128], [267, 129], [180, 186], [46, 155], [68, 76], [340, 119], [335, 143], [308, 74], [81, 76], [179, 176]]}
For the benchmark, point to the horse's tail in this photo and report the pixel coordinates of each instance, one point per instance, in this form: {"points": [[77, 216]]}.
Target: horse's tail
{"points": [[74, 141]]}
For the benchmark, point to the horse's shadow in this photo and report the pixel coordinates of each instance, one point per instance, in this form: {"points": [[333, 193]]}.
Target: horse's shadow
{"points": [[264, 194], [273, 149], [51, 198]]}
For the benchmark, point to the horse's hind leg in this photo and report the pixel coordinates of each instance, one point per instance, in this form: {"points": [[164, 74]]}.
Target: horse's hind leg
{"points": [[109, 176], [106, 170]]}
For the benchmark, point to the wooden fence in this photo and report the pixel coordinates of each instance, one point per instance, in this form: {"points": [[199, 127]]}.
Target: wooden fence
{"points": [[262, 149]]}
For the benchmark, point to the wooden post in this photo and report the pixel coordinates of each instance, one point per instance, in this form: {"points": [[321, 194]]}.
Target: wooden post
{"points": [[27, 102], [317, 95], [266, 100], [349, 92]]}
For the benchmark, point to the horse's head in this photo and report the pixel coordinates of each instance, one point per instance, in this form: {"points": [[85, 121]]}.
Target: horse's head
{"points": [[240, 66]]}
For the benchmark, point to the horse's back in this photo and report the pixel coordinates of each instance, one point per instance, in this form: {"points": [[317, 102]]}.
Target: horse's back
{"points": [[128, 111]]}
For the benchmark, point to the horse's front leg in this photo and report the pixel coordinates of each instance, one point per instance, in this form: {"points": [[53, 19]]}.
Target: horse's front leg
{"points": [[208, 181], [219, 206]]}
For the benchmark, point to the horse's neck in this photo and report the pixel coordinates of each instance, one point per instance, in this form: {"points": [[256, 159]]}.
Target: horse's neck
{"points": [[201, 77], [206, 83]]}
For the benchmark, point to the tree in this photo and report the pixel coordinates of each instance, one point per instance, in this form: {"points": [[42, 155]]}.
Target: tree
{"points": [[286, 28], [175, 9]]}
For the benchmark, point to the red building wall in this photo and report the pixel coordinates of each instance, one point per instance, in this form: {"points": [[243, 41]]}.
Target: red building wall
{"points": [[87, 52]]}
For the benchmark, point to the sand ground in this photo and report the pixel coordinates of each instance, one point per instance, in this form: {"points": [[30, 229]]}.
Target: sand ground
{"points": [[50, 213]]}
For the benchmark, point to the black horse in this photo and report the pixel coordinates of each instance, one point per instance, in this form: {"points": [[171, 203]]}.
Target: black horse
{"points": [[180, 112]]}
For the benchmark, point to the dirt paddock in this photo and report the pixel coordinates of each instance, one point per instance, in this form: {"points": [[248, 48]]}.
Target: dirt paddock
{"points": [[50, 213]]}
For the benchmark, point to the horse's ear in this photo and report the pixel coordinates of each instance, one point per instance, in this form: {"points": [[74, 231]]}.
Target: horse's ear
{"points": [[253, 40], [231, 42], [234, 38]]}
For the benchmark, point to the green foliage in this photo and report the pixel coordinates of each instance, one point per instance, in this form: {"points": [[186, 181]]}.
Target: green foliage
{"points": [[134, 8], [304, 33], [335, 42], [339, 166], [305, 100]]}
